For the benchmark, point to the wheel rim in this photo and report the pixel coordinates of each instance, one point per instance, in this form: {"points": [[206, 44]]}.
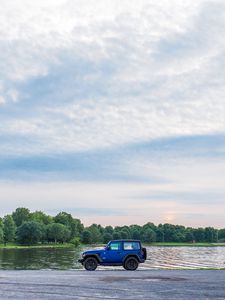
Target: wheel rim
{"points": [[90, 265], [132, 264]]}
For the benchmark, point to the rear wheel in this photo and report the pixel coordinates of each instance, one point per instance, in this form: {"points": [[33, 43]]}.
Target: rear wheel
{"points": [[131, 264], [90, 264]]}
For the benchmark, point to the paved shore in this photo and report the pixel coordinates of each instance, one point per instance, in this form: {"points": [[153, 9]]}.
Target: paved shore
{"points": [[118, 284]]}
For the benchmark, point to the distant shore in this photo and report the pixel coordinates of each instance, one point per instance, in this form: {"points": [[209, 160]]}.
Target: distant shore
{"points": [[16, 246], [68, 245], [169, 244]]}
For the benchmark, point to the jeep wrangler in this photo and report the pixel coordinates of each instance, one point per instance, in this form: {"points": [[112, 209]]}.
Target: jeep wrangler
{"points": [[126, 253]]}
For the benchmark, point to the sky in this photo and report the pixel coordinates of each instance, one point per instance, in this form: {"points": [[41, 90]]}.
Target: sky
{"points": [[113, 110]]}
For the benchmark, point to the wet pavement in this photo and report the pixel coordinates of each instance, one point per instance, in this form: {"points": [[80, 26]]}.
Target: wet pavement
{"points": [[116, 284]]}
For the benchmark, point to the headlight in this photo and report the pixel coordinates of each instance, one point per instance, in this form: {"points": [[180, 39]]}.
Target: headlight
{"points": [[83, 254]]}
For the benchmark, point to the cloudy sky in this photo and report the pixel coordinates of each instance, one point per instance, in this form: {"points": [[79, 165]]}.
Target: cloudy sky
{"points": [[114, 110]]}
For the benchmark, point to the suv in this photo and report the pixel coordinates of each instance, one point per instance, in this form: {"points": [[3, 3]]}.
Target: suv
{"points": [[126, 253]]}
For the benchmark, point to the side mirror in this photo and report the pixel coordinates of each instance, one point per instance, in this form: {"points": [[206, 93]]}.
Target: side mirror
{"points": [[108, 248]]}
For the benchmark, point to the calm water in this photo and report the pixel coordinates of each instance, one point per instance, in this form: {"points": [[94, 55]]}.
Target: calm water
{"points": [[158, 258]]}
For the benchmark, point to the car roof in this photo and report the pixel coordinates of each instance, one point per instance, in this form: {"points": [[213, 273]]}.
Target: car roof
{"points": [[138, 241]]}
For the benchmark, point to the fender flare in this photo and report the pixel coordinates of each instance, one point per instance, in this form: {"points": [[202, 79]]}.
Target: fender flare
{"points": [[96, 256], [131, 255]]}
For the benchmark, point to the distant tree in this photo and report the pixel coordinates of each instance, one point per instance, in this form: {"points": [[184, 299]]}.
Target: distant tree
{"points": [[177, 236], [30, 233], [189, 236], [136, 235], [107, 237], [86, 237], [41, 217], [75, 241], [127, 230], [169, 232], [149, 225], [9, 229], [21, 215], [1, 231], [221, 235], [74, 225], [149, 235], [108, 229], [210, 234], [199, 234], [96, 236], [160, 236], [64, 218], [116, 235], [58, 232], [135, 232], [124, 234], [77, 228]]}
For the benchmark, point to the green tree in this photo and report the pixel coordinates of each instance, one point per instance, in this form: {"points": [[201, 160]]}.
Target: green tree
{"points": [[107, 237], [189, 236], [136, 235], [108, 229], [221, 235], [1, 231], [160, 236], [41, 217], [199, 234], [58, 232], [30, 233], [96, 236], [77, 228], [124, 234], [116, 235], [135, 232], [9, 229], [86, 237], [169, 232], [74, 225], [21, 215], [210, 234], [149, 235]]}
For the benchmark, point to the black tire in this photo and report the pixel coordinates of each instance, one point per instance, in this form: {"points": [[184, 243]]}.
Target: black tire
{"points": [[90, 264], [130, 264]]}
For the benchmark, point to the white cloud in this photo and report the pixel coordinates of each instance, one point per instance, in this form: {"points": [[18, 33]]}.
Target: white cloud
{"points": [[115, 72]]}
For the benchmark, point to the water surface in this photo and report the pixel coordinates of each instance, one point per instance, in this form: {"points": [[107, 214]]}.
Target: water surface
{"points": [[158, 258]]}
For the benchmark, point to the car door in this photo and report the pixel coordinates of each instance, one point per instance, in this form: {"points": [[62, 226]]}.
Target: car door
{"points": [[113, 253]]}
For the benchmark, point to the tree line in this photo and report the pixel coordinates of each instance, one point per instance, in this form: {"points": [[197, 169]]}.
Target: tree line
{"points": [[28, 228]]}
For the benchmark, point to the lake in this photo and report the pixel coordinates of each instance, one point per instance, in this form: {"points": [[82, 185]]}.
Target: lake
{"points": [[158, 258]]}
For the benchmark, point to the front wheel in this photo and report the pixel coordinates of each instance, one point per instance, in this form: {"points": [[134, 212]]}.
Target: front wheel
{"points": [[90, 264], [131, 264]]}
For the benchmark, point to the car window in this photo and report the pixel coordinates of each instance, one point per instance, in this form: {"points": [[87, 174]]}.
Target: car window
{"points": [[114, 246], [131, 246]]}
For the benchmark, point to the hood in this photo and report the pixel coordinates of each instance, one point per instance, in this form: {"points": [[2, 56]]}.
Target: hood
{"points": [[96, 250]]}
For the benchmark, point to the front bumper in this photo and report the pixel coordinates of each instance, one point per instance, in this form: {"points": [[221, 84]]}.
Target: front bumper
{"points": [[81, 261]]}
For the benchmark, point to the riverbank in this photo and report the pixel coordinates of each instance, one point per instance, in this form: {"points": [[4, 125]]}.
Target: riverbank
{"points": [[121, 284], [69, 245], [185, 244], [15, 246]]}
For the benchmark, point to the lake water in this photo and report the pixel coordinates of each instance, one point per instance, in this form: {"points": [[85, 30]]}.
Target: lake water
{"points": [[158, 258]]}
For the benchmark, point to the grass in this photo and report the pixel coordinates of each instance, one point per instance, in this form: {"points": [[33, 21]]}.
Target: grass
{"points": [[168, 244], [16, 246], [68, 245]]}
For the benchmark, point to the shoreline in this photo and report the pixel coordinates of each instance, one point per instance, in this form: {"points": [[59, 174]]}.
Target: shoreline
{"points": [[68, 245]]}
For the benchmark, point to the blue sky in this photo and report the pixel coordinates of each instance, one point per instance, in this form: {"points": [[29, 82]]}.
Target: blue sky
{"points": [[114, 111]]}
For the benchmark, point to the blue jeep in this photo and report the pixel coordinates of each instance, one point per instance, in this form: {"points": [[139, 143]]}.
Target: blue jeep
{"points": [[126, 253]]}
